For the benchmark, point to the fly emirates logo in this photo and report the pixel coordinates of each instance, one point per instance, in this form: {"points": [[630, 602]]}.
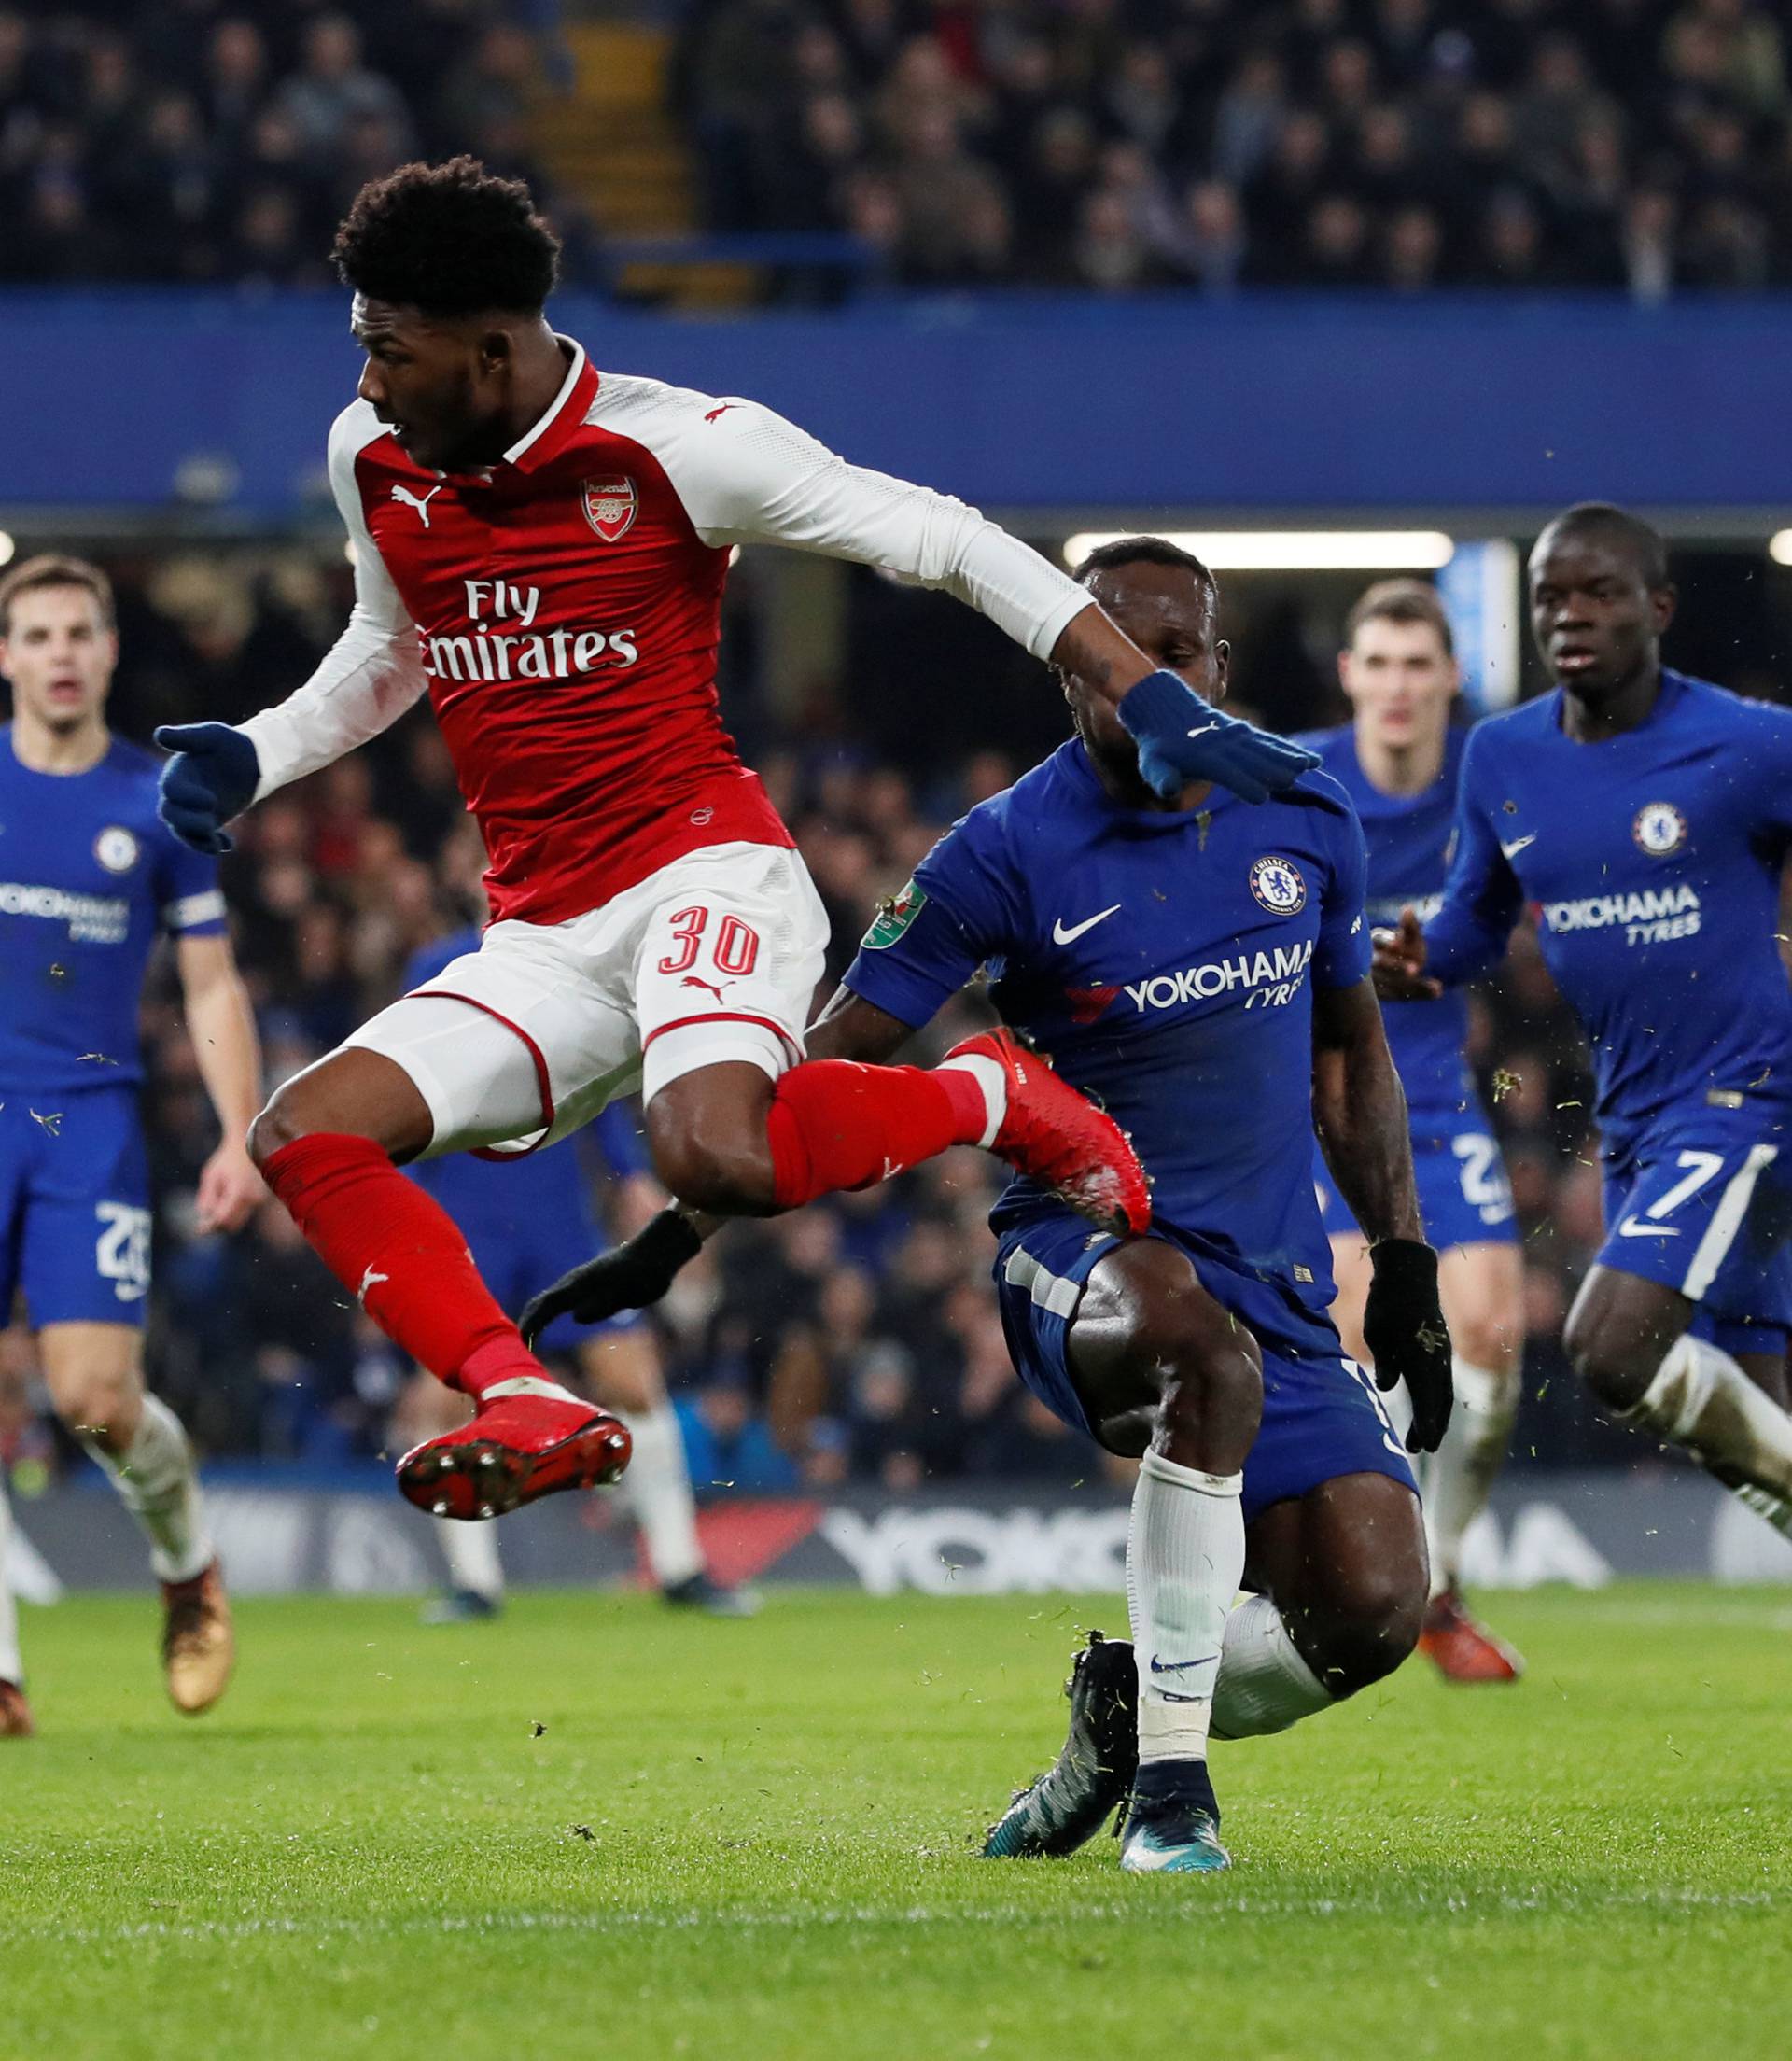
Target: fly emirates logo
{"points": [[501, 643], [1270, 979], [1657, 915]]}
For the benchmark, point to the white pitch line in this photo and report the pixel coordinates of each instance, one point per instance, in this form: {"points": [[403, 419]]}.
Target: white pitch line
{"points": [[1243, 1904]]}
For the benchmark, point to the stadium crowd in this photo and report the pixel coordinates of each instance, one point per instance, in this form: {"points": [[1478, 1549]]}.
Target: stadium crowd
{"points": [[221, 140], [858, 1339], [1107, 146], [1118, 145]]}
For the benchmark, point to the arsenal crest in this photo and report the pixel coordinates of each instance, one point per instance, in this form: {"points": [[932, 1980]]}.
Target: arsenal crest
{"points": [[609, 506]]}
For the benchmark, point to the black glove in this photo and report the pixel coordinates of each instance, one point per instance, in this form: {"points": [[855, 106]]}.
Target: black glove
{"points": [[1404, 1328], [212, 776], [628, 1277]]}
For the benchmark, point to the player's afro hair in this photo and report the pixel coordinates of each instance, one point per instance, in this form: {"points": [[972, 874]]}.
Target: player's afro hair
{"points": [[1633, 536], [1144, 551], [450, 239]]}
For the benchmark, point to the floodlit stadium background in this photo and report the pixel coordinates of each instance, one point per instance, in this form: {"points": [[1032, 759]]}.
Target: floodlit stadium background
{"points": [[1333, 290]]}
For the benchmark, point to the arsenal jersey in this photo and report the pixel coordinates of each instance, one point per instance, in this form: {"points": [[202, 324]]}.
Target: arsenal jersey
{"points": [[561, 610]]}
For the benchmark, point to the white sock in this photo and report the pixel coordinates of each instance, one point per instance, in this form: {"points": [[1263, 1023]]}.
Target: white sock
{"points": [[1458, 1478], [657, 1490], [13, 1668], [1777, 1509], [158, 1482], [1264, 1685], [989, 1076], [1184, 1559], [1701, 1399], [472, 1556]]}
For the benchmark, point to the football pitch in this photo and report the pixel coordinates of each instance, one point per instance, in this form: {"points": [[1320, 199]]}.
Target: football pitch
{"points": [[595, 1828]]}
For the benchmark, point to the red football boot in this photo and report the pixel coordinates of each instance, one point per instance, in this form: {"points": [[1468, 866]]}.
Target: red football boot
{"points": [[528, 1437], [1055, 1136], [15, 1713], [1460, 1647]]}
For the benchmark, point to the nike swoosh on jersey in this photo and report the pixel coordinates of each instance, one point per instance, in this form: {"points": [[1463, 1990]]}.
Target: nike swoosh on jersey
{"points": [[1518, 845], [1176, 1667], [1632, 1228], [1061, 935]]}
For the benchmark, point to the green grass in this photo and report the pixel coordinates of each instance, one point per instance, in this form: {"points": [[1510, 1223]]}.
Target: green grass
{"points": [[367, 1851]]}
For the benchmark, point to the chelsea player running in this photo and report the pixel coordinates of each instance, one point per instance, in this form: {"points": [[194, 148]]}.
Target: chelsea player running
{"points": [[1196, 962], [88, 879], [1398, 760], [1648, 816]]}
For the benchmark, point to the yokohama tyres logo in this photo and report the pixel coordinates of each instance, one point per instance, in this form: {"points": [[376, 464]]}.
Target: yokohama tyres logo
{"points": [[611, 507]]}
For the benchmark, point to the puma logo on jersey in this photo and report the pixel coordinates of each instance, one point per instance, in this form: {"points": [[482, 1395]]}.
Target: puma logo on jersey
{"points": [[369, 1280], [410, 499], [715, 414], [714, 988]]}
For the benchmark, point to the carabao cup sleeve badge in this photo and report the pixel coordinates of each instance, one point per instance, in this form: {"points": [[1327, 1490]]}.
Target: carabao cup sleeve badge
{"points": [[895, 918]]}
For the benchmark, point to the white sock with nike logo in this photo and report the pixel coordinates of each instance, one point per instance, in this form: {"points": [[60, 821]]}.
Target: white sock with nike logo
{"points": [[1700, 1399], [13, 1668], [657, 1491], [158, 1479], [1184, 1560], [474, 1561], [1458, 1478], [1265, 1686]]}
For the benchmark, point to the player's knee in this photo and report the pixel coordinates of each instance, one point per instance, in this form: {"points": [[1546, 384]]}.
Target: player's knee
{"points": [[1615, 1367], [279, 1124], [1370, 1623], [99, 1403], [1209, 1371], [1486, 1341], [726, 1168]]}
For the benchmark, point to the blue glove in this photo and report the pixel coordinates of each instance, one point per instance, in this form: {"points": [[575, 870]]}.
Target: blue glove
{"points": [[212, 776], [1183, 739]]}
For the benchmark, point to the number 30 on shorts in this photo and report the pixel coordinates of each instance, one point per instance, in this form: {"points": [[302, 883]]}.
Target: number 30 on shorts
{"points": [[732, 952]]}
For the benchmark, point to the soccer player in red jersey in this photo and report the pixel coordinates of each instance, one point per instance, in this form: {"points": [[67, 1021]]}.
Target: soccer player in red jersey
{"points": [[542, 548]]}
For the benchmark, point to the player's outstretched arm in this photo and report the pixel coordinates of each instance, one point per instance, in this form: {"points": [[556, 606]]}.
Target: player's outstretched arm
{"points": [[746, 475], [636, 1274], [1360, 1113], [365, 683]]}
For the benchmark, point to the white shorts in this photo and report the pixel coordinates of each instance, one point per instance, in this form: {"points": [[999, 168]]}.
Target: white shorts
{"points": [[714, 958]]}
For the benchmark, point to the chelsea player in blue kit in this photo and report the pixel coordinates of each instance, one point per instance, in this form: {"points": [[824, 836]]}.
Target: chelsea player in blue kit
{"points": [[89, 879], [1202, 965], [525, 1224], [1647, 817], [1398, 760]]}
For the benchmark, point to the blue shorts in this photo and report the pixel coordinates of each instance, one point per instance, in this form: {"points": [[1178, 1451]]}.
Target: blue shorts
{"points": [[75, 1217], [1465, 1198], [514, 1267], [1703, 1204], [1323, 1416]]}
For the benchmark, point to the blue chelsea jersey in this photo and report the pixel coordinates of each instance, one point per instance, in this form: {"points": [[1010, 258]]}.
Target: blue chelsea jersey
{"points": [[1653, 860], [1166, 964], [89, 876], [1409, 839]]}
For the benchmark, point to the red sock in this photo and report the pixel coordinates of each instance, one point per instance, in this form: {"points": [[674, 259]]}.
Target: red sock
{"points": [[398, 1252], [838, 1125]]}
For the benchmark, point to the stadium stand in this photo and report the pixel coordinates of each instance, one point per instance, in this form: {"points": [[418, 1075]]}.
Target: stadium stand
{"points": [[213, 142], [1392, 144]]}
